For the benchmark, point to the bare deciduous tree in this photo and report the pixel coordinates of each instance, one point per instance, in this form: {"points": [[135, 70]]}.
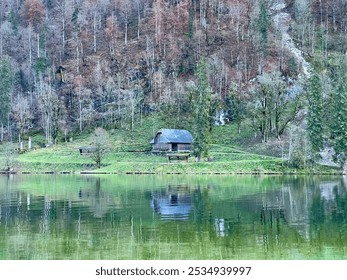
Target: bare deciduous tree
{"points": [[101, 147], [22, 114], [50, 107], [9, 156]]}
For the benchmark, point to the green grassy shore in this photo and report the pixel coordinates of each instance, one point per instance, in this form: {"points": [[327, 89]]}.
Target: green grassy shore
{"points": [[130, 153]]}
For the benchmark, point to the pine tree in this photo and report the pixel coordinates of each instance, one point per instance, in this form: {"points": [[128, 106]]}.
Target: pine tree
{"points": [[339, 125], [315, 109], [5, 92], [264, 23], [201, 117], [236, 107]]}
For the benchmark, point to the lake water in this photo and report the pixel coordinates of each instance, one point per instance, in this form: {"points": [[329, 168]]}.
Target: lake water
{"points": [[173, 217]]}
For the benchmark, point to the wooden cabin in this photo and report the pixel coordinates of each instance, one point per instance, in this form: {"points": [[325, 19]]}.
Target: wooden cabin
{"points": [[87, 150], [172, 140]]}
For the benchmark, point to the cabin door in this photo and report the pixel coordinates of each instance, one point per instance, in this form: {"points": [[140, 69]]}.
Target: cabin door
{"points": [[174, 147]]}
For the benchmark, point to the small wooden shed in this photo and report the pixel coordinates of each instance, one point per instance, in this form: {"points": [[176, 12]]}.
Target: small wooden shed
{"points": [[172, 140], [87, 150]]}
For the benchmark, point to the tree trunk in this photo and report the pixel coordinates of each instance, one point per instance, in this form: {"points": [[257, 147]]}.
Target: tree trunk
{"points": [[290, 146], [29, 143], [126, 29], [80, 113], [38, 44], [94, 31], [77, 57], [2, 133], [138, 20], [9, 131], [30, 52], [63, 35], [132, 111]]}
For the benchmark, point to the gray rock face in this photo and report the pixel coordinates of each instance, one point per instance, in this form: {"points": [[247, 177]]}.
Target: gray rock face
{"points": [[282, 22]]}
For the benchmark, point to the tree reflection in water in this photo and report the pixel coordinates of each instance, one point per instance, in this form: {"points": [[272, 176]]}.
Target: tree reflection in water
{"points": [[260, 217]]}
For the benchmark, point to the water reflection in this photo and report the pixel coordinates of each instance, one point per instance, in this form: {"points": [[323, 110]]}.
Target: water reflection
{"points": [[175, 203], [116, 217], [94, 196], [222, 227]]}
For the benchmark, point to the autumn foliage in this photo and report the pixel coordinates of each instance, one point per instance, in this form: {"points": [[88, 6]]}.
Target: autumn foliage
{"points": [[124, 59], [34, 12]]}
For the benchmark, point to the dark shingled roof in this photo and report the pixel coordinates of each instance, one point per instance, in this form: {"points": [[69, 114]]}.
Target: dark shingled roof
{"points": [[174, 136]]}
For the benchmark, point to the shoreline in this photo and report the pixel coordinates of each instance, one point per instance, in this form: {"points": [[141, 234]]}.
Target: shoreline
{"points": [[169, 173]]}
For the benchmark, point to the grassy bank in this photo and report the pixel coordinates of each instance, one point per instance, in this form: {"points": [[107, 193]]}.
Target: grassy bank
{"points": [[129, 153], [66, 158]]}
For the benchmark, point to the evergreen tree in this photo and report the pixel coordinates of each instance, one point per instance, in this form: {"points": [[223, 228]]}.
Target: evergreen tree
{"points": [[201, 116], [315, 110], [264, 23], [236, 108], [12, 18], [5, 92], [339, 125]]}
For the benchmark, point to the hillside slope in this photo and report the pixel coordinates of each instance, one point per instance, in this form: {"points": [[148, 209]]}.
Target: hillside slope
{"points": [[69, 66]]}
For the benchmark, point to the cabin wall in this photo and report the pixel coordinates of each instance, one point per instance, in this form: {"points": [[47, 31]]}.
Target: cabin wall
{"points": [[162, 147], [184, 147], [168, 147]]}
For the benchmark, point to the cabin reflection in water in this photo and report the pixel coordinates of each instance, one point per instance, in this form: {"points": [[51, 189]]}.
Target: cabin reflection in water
{"points": [[173, 204]]}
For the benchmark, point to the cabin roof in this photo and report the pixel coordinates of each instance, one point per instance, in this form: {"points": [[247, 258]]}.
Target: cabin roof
{"points": [[174, 136]]}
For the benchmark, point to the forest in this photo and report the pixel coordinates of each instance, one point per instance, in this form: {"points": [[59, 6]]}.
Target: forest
{"points": [[275, 69]]}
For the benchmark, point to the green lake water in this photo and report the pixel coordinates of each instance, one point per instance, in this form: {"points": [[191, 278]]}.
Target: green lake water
{"points": [[172, 217]]}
